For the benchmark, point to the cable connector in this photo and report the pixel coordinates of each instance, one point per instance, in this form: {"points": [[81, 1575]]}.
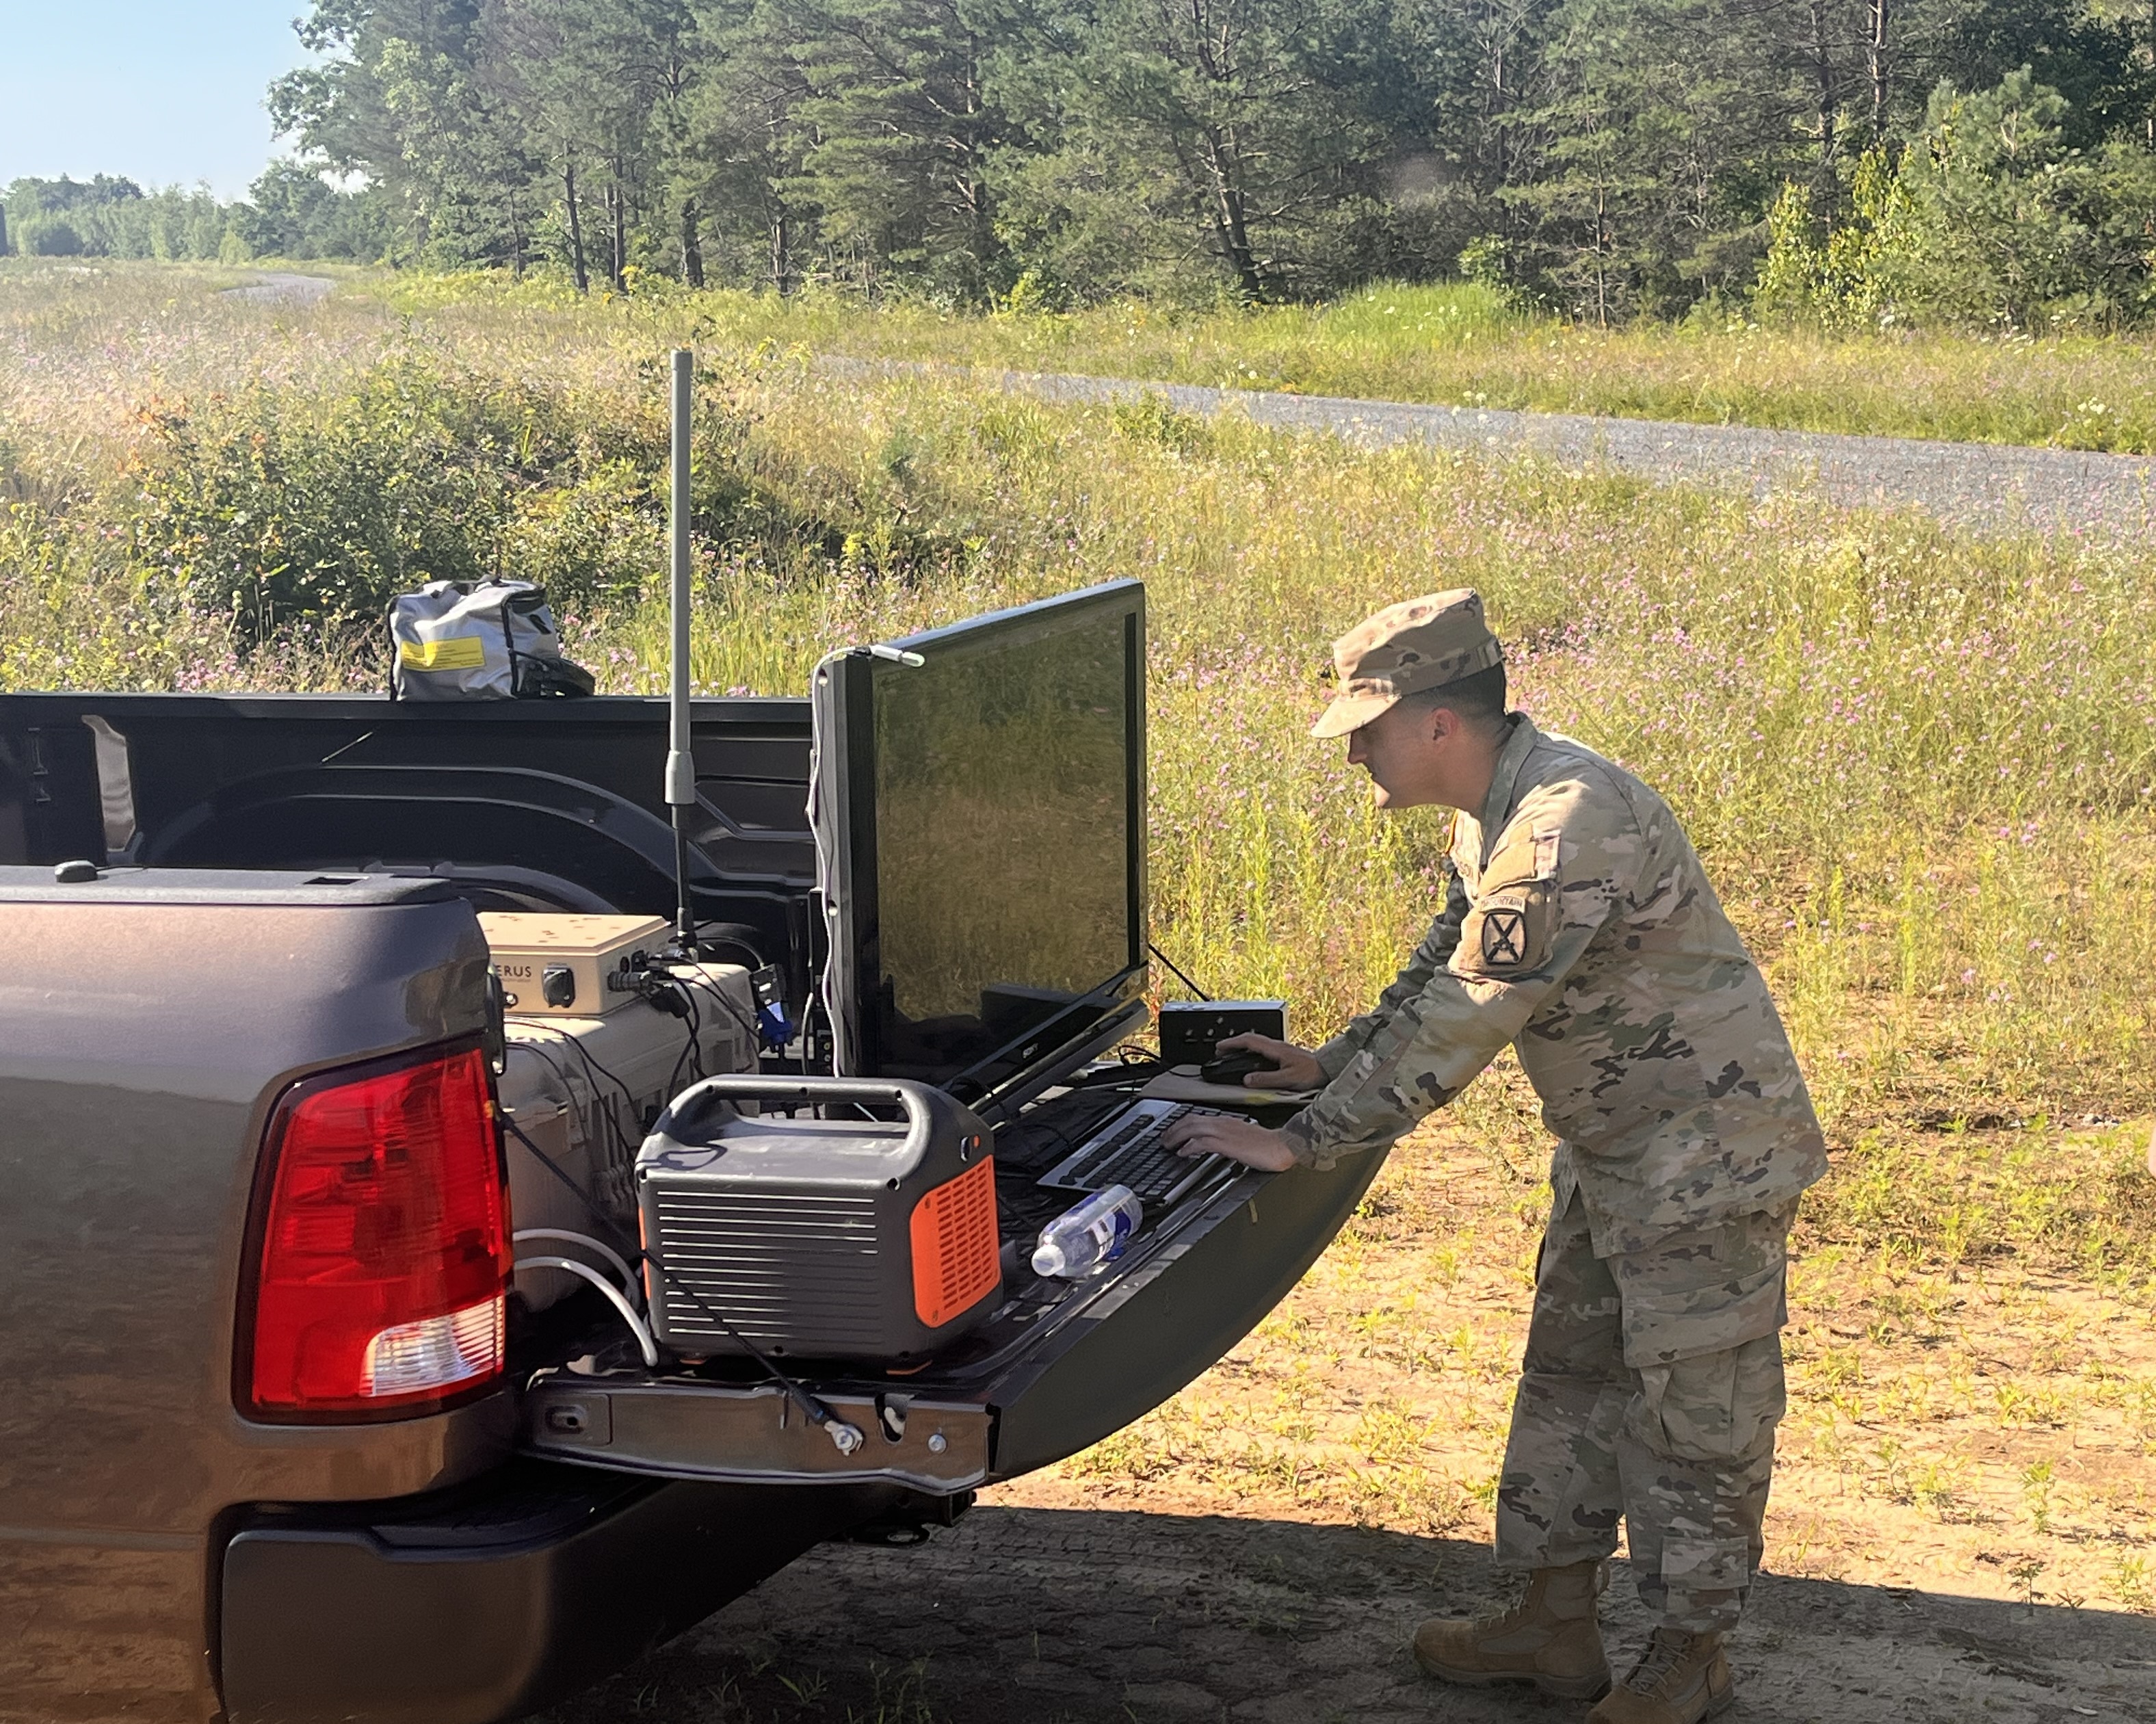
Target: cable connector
{"points": [[658, 989], [775, 1027], [846, 1439]]}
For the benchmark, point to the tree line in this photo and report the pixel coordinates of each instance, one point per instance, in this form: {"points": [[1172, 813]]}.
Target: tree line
{"points": [[1987, 160], [107, 216], [291, 211]]}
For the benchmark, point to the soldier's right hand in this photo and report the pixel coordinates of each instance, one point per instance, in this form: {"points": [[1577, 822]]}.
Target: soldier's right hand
{"points": [[1293, 1067]]}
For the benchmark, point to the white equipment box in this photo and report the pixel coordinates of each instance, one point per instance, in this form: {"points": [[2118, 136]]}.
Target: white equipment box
{"points": [[558, 963]]}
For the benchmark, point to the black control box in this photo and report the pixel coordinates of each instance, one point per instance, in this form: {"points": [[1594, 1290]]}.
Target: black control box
{"points": [[1190, 1029]]}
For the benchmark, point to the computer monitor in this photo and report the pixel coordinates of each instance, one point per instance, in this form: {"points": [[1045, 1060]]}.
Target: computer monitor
{"points": [[979, 811]]}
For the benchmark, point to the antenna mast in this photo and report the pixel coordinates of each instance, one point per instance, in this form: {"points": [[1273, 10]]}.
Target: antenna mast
{"points": [[680, 762]]}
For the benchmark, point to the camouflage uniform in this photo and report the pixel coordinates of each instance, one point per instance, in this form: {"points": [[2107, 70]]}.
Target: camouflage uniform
{"points": [[1651, 1387], [1580, 929]]}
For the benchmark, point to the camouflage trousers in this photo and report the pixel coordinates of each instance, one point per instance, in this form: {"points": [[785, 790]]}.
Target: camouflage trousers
{"points": [[1650, 1390]]}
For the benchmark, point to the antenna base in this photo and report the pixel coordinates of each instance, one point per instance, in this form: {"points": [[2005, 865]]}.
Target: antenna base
{"points": [[680, 780]]}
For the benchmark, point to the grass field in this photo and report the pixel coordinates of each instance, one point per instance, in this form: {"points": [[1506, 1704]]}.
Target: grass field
{"points": [[1922, 770], [1463, 346]]}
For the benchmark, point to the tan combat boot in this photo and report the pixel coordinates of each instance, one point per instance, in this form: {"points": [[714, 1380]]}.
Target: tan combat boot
{"points": [[1549, 1639], [1681, 1679]]}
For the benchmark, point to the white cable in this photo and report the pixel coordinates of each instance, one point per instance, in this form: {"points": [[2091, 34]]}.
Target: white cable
{"points": [[629, 1282], [843, 1053], [644, 1340], [828, 987]]}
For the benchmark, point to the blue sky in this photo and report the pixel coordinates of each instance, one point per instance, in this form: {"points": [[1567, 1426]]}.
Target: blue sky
{"points": [[160, 93]]}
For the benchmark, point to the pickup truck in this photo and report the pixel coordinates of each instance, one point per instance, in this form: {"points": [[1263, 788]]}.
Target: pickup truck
{"points": [[211, 904]]}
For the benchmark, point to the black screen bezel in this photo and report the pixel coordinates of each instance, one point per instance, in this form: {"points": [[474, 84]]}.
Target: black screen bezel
{"points": [[856, 918]]}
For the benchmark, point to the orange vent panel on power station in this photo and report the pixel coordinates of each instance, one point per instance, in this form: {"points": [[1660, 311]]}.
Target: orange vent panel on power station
{"points": [[955, 1245]]}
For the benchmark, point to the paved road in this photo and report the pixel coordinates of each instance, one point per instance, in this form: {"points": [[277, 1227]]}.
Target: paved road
{"points": [[1985, 487]]}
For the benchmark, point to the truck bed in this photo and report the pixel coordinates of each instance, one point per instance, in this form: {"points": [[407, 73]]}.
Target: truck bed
{"points": [[530, 804]]}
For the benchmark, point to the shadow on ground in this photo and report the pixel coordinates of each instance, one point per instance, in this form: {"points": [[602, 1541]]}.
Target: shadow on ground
{"points": [[1028, 1616]]}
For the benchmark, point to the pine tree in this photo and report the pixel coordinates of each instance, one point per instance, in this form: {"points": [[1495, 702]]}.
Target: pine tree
{"points": [[399, 98], [743, 139], [1252, 124]]}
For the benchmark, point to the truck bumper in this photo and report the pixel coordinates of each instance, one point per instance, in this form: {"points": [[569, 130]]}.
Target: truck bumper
{"points": [[492, 1601]]}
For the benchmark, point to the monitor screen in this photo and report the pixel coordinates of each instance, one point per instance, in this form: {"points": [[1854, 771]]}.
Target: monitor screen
{"points": [[985, 890]]}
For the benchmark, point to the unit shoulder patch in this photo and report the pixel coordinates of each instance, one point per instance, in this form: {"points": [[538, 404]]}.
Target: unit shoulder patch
{"points": [[1510, 931], [1504, 936]]}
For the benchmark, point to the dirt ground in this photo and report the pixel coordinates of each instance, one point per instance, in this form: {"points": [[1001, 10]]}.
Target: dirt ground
{"points": [[1964, 1524], [1076, 1614]]}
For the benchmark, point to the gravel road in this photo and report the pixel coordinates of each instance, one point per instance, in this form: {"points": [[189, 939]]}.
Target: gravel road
{"points": [[1984, 488], [275, 287]]}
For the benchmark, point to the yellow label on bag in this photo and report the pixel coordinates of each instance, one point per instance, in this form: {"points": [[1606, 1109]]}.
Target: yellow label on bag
{"points": [[456, 652]]}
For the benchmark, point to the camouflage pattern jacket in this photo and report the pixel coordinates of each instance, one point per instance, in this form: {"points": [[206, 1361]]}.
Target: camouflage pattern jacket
{"points": [[1579, 927]]}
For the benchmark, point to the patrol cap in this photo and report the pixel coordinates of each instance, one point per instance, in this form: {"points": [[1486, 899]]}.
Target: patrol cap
{"points": [[1407, 648]]}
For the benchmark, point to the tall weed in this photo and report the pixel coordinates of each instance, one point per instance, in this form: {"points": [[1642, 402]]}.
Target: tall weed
{"points": [[275, 504]]}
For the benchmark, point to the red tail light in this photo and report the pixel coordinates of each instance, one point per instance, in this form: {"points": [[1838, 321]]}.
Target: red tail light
{"points": [[384, 1250]]}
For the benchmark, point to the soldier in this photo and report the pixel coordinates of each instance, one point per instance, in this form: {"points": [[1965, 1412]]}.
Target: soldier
{"points": [[1579, 927]]}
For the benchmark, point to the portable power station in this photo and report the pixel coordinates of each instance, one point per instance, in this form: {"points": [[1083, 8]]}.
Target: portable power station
{"points": [[864, 1239]]}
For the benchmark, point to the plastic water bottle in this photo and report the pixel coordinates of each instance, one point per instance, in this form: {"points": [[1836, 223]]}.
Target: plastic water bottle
{"points": [[1097, 1232]]}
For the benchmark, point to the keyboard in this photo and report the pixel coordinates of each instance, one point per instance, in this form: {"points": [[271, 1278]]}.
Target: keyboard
{"points": [[1126, 1150]]}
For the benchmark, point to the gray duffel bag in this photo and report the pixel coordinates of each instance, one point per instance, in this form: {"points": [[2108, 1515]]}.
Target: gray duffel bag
{"points": [[492, 641]]}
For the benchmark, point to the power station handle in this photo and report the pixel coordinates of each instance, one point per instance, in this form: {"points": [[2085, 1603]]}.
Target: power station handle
{"points": [[918, 1099]]}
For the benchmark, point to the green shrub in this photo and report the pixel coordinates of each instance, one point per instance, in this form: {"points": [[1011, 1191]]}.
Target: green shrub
{"points": [[1487, 261], [2005, 225], [50, 236], [593, 542], [1149, 419], [276, 504], [1988, 220]]}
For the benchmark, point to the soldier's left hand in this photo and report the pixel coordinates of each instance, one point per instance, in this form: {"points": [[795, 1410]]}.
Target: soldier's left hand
{"points": [[1226, 1134]]}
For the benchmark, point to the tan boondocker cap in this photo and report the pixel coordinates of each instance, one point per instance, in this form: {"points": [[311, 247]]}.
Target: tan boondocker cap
{"points": [[1406, 648]]}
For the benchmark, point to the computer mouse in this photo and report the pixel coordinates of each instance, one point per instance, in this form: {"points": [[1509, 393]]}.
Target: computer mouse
{"points": [[1233, 1067]]}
